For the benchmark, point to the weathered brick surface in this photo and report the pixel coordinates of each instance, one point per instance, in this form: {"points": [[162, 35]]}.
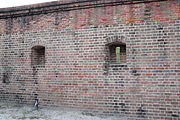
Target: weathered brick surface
{"points": [[77, 72]]}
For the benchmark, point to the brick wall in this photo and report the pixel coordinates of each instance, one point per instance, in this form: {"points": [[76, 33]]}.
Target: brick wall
{"points": [[77, 72]]}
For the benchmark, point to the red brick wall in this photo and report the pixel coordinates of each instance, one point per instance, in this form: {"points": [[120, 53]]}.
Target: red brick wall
{"points": [[77, 72], [109, 15]]}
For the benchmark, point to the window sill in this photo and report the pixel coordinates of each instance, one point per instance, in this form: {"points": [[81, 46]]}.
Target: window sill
{"points": [[38, 66], [118, 65]]}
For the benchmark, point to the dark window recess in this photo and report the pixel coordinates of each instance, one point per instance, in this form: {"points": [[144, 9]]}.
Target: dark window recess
{"points": [[38, 56], [117, 53]]}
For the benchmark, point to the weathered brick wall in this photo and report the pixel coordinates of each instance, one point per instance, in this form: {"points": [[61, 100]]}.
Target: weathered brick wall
{"points": [[77, 72]]}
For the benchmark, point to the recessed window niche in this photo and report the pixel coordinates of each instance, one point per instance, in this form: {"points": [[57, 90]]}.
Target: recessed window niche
{"points": [[38, 56]]}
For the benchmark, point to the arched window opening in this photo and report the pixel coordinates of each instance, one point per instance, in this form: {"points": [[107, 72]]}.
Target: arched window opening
{"points": [[38, 56]]}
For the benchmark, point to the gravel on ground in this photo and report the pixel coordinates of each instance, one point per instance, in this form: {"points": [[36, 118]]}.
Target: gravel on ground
{"points": [[9, 111]]}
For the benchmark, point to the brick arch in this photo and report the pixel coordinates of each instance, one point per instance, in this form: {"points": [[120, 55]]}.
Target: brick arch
{"points": [[115, 39]]}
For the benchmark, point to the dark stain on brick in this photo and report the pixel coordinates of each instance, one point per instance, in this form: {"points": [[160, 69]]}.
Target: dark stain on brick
{"points": [[159, 27], [56, 19], [141, 112], [21, 55], [6, 78], [119, 107], [9, 25], [175, 115], [135, 73]]}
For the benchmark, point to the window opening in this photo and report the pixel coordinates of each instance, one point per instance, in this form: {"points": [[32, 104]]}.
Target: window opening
{"points": [[38, 56], [117, 53]]}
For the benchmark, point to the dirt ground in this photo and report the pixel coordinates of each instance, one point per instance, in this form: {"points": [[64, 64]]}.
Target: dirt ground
{"points": [[9, 111]]}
